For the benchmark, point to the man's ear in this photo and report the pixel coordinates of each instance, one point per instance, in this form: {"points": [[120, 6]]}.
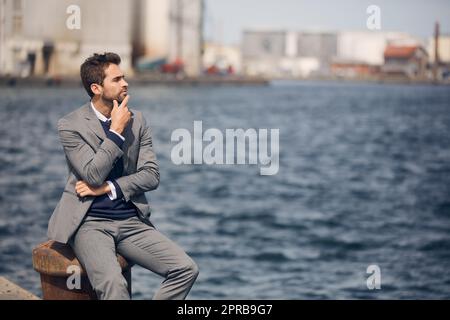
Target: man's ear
{"points": [[96, 88]]}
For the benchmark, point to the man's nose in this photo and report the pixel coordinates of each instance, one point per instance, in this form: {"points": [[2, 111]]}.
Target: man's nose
{"points": [[124, 83]]}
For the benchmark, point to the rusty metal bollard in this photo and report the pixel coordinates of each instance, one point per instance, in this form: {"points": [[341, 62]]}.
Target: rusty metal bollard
{"points": [[52, 260]]}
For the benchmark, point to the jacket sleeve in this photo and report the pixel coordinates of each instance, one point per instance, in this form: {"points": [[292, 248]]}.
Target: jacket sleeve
{"points": [[92, 167], [146, 177]]}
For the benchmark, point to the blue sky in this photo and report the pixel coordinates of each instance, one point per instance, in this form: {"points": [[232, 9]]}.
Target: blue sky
{"points": [[225, 19]]}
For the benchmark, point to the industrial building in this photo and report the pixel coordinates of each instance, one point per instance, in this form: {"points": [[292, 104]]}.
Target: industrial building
{"points": [[287, 54], [40, 38]]}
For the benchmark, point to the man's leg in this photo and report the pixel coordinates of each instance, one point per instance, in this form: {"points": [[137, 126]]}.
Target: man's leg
{"points": [[147, 247], [94, 247]]}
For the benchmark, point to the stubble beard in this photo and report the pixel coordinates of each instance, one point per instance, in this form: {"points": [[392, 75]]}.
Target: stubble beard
{"points": [[109, 100]]}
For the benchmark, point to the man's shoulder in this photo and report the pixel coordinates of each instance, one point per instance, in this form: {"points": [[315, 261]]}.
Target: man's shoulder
{"points": [[73, 117], [136, 113], [139, 117]]}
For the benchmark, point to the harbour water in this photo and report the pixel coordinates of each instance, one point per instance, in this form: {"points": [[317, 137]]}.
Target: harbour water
{"points": [[364, 179]]}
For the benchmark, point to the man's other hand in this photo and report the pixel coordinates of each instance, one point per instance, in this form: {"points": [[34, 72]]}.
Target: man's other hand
{"points": [[83, 189]]}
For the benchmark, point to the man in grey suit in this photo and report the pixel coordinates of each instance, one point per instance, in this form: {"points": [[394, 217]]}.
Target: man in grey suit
{"points": [[103, 209]]}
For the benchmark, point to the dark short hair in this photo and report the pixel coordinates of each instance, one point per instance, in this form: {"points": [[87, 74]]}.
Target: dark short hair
{"points": [[93, 69]]}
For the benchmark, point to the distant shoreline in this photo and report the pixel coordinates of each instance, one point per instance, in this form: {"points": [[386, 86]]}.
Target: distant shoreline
{"points": [[42, 81], [70, 82], [368, 80]]}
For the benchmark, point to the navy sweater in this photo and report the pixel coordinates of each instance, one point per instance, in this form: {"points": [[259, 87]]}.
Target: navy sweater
{"points": [[103, 206]]}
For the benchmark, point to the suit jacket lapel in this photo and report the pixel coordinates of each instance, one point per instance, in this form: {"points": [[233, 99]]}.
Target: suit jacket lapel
{"points": [[129, 139], [93, 122]]}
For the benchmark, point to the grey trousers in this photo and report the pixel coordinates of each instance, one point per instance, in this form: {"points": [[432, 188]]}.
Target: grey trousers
{"points": [[98, 240]]}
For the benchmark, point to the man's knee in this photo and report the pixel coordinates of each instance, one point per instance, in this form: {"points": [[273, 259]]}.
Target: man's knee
{"points": [[187, 269], [192, 269]]}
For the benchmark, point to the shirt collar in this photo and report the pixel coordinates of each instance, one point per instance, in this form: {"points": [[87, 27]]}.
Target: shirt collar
{"points": [[99, 115]]}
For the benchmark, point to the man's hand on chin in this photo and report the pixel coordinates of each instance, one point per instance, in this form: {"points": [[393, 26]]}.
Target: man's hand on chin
{"points": [[83, 189]]}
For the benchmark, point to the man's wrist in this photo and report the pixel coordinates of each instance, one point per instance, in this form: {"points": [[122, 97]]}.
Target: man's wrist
{"points": [[117, 134], [112, 194], [115, 137], [116, 129], [105, 188]]}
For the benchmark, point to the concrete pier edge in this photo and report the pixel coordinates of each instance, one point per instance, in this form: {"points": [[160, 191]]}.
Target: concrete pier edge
{"points": [[11, 291]]}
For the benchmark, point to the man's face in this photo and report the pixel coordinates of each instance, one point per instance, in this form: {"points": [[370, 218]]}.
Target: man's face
{"points": [[114, 85]]}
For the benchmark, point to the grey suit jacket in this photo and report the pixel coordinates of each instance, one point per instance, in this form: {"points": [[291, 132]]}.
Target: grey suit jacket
{"points": [[90, 156]]}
